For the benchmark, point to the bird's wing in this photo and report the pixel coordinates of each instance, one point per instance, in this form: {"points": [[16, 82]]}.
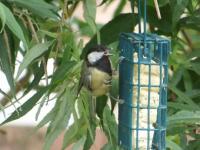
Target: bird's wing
{"points": [[85, 79]]}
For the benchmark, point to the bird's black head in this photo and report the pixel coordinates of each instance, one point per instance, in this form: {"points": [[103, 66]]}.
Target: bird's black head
{"points": [[98, 57], [96, 53], [98, 48]]}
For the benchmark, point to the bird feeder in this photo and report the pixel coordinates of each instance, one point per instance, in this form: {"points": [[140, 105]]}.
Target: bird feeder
{"points": [[143, 77]]}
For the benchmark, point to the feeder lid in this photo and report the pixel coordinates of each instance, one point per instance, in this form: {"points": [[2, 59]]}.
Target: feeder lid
{"points": [[140, 37]]}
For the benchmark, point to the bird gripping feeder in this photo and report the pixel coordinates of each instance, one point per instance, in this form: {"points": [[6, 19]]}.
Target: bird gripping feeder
{"points": [[143, 77]]}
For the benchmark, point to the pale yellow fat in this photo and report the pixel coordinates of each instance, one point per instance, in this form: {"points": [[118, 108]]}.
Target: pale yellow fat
{"points": [[98, 79], [143, 100]]}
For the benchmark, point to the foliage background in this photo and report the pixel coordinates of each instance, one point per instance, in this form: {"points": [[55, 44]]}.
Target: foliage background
{"points": [[40, 30]]}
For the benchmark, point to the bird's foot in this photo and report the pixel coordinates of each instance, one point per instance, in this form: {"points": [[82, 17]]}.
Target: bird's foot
{"points": [[120, 101]]}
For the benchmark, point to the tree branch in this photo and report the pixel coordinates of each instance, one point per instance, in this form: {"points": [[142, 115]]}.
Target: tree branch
{"points": [[188, 40], [19, 86], [37, 41]]}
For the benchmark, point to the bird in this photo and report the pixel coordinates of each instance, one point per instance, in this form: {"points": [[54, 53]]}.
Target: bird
{"points": [[96, 73]]}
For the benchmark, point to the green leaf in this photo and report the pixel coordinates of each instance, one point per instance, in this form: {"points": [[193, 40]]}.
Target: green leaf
{"points": [[181, 106], [191, 22], [185, 98], [110, 32], [90, 13], [195, 67], [50, 116], [59, 123], [172, 145], [33, 53], [89, 141], [178, 7], [38, 74], [187, 81], [184, 117], [79, 144], [27, 106], [177, 76], [2, 17], [164, 25], [120, 7], [100, 105], [13, 25], [5, 65], [75, 132], [110, 126], [63, 71], [38, 7], [114, 92]]}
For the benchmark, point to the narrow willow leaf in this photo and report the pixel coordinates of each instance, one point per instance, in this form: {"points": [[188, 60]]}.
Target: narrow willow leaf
{"points": [[164, 25], [6, 66], [49, 117], [114, 92], [38, 7], [38, 74], [50, 138], [2, 17], [70, 134], [111, 31], [108, 146], [90, 13], [79, 144], [185, 98], [100, 105], [7, 97], [89, 141], [50, 34], [61, 118], [110, 126], [27, 106], [187, 81], [191, 22], [13, 25], [62, 71], [172, 145], [184, 117], [195, 67], [3, 110], [120, 7], [32, 54], [177, 76], [84, 110], [178, 7], [74, 132]]}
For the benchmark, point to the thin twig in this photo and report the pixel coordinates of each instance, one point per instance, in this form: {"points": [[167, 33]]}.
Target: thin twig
{"points": [[59, 38], [157, 9], [188, 40], [5, 36], [37, 40], [5, 95], [19, 85]]}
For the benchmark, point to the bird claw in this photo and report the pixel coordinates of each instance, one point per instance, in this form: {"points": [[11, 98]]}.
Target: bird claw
{"points": [[107, 82], [120, 101]]}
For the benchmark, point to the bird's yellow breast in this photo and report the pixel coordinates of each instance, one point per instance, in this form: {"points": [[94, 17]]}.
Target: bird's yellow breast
{"points": [[99, 82]]}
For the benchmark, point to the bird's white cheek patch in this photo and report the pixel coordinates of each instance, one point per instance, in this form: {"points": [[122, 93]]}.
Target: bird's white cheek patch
{"points": [[95, 56]]}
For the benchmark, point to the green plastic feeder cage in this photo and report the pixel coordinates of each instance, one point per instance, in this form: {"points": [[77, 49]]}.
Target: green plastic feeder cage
{"points": [[143, 77]]}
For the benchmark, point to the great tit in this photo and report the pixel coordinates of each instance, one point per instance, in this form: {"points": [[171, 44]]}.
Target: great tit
{"points": [[96, 71]]}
